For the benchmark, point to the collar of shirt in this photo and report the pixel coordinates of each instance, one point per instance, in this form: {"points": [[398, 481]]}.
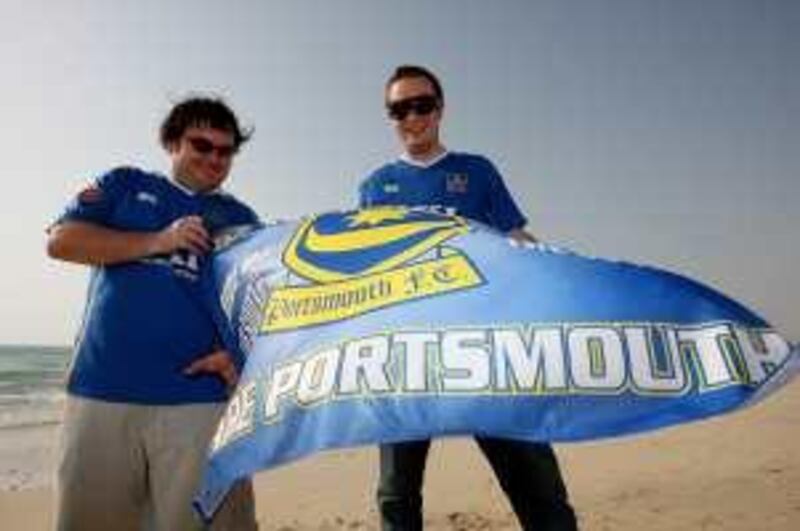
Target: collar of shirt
{"points": [[188, 191], [405, 157]]}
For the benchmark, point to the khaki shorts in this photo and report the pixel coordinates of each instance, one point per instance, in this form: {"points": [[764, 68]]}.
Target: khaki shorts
{"points": [[133, 467]]}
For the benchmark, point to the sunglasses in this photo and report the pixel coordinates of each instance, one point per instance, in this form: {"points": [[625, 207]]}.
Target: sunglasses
{"points": [[419, 105], [204, 147]]}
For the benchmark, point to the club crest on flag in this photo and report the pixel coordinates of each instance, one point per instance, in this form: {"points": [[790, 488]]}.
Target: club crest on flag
{"points": [[359, 261]]}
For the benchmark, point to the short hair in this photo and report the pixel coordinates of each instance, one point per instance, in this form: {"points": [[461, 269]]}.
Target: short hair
{"points": [[201, 111], [407, 71]]}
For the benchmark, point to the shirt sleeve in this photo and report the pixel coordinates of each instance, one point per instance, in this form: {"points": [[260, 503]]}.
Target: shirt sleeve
{"points": [[364, 192], [369, 192], [96, 201], [503, 210]]}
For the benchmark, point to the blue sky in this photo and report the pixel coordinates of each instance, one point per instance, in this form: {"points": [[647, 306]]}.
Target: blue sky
{"points": [[664, 132]]}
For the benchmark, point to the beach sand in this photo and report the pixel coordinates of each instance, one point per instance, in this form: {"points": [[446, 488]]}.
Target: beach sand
{"points": [[739, 472]]}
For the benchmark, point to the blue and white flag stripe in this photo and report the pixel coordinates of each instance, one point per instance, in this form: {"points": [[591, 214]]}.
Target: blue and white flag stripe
{"points": [[392, 324]]}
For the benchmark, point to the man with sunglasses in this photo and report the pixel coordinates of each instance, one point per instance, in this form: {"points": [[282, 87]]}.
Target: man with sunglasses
{"points": [[427, 174], [148, 382]]}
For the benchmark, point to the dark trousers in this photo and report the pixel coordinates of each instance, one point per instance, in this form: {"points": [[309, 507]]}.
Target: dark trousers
{"points": [[527, 472]]}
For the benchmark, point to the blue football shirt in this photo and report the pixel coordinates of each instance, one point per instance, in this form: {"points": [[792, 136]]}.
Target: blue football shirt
{"points": [[465, 184], [146, 320]]}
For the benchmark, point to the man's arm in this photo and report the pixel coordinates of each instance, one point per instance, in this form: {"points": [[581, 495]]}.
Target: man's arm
{"points": [[89, 243]]}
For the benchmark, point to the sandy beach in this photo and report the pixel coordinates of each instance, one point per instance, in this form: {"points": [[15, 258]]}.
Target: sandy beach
{"points": [[739, 472]]}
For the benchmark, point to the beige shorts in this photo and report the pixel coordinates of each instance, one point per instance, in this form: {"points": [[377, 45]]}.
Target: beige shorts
{"points": [[133, 467]]}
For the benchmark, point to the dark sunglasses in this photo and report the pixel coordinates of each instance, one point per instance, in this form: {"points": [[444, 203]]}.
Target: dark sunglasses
{"points": [[205, 147], [419, 105]]}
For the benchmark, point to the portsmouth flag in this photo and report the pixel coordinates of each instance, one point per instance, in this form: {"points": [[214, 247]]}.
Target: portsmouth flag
{"points": [[393, 324]]}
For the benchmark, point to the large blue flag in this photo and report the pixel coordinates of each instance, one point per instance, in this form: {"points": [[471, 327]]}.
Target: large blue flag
{"points": [[393, 324]]}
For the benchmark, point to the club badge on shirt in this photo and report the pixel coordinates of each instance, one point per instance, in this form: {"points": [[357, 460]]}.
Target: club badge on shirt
{"points": [[456, 183], [391, 187]]}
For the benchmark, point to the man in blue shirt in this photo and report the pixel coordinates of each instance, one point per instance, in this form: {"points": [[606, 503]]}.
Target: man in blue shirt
{"points": [[427, 174], [148, 381]]}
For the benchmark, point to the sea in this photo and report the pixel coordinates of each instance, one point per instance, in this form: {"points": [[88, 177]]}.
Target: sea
{"points": [[32, 385], [31, 406]]}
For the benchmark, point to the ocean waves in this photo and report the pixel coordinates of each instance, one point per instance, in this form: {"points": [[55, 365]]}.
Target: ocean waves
{"points": [[31, 385]]}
